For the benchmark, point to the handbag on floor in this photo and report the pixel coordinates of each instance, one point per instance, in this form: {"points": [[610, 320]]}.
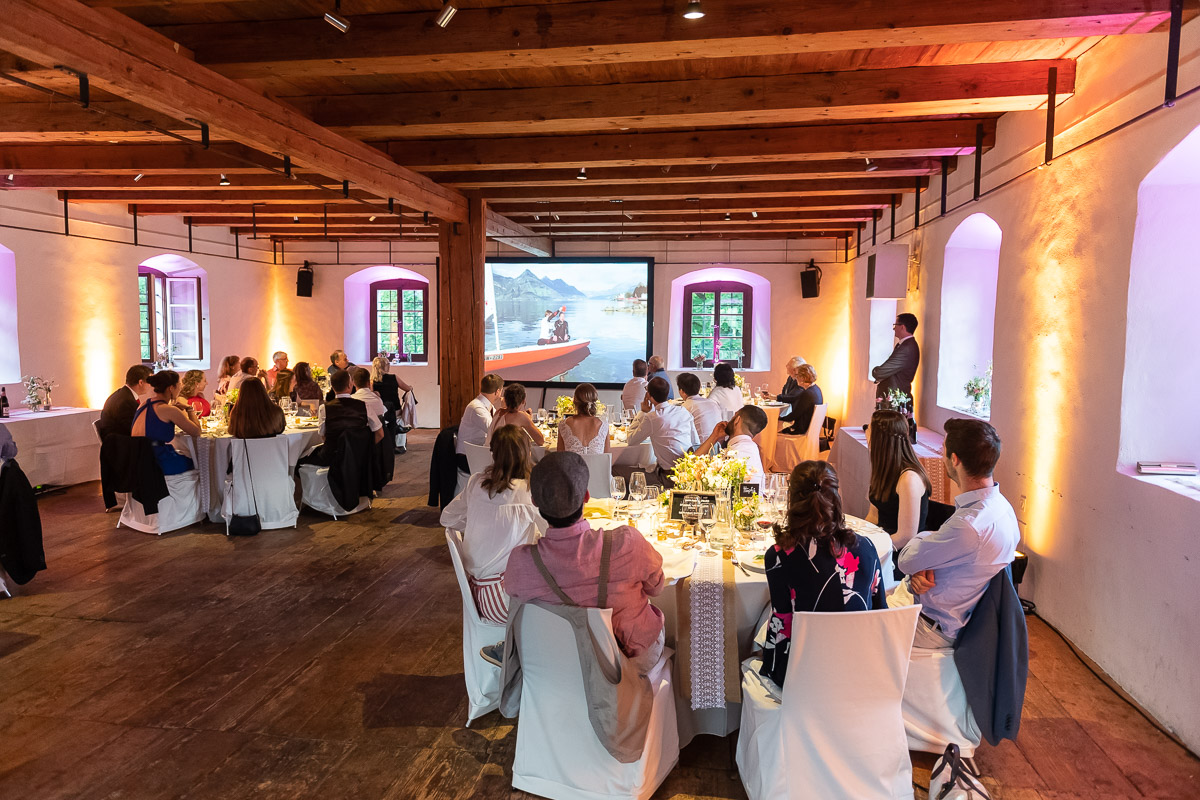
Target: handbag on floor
{"points": [[953, 778], [248, 525]]}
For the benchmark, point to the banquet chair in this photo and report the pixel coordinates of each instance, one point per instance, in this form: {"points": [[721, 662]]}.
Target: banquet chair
{"points": [[96, 430], [847, 741], [478, 457], [791, 450], [935, 706], [316, 494], [181, 507], [482, 677], [558, 754], [261, 483], [599, 475]]}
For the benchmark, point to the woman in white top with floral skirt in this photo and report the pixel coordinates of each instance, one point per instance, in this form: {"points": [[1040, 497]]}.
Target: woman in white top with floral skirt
{"points": [[496, 514], [585, 432]]}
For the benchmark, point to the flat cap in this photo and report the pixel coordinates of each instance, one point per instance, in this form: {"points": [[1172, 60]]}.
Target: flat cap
{"points": [[559, 484]]}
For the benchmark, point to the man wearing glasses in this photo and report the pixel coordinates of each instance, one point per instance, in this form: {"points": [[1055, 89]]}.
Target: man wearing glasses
{"points": [[901, 366]]}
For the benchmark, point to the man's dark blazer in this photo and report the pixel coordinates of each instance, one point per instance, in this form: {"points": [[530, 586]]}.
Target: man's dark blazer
{"points": [[791, 390], [899, 369], [118, 411]]}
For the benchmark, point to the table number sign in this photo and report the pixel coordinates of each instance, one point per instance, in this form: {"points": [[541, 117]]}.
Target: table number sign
{"points": [[677, 496], [746, 490]]}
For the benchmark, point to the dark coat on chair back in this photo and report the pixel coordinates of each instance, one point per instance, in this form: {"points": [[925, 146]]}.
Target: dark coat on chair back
{"points": [[992, 656], [117, 414], [443, 468], [899, 369], [127, 464], [353, 465], [21, 552]]}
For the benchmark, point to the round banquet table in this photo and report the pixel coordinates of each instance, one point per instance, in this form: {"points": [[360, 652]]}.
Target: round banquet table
{"points": [[769, 435], [638, 455], [212, 460]]}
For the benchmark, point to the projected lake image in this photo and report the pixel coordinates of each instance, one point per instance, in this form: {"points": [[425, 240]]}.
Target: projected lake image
{"points": [[595, 328]]}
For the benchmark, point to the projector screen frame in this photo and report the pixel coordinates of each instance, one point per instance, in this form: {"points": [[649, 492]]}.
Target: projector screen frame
{"points": [[647, 260]]}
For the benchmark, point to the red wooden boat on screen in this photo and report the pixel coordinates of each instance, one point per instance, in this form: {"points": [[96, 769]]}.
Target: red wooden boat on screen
{"points": [[521, 356]]}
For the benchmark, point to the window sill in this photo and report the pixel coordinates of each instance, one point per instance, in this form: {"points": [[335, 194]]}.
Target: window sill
{"points": [[1186, 485], [183, 365], [985, 415]]}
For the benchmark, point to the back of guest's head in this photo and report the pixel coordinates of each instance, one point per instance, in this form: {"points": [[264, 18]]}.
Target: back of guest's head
{"points": [[723, 375], [794, 362], [909, 321], [229, 366], [361, 377], [558, 485], [814, 509], [754, 419], [586, 398], [303, 373], [655, 363], [658, 389], [191, 379], [136, 374], [249, 365], [976, 444], [253, 414], [514, 396], [490, 383], [380, 366], [282, 388], [806, 373], [512, 459], [639, 368], [340, 382], [688, 384], [161, 381], [891, 453]]}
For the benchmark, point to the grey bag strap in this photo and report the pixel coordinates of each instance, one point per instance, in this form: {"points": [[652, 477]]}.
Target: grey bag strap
{"points": [[605, 557], [553, 584]]}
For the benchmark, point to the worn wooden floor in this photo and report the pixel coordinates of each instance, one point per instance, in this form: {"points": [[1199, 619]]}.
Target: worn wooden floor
{"points": [[325, 662]]}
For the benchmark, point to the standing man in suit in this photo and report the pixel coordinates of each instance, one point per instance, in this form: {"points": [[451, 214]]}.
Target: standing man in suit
{"points": [[901, 366], [121, 405]]}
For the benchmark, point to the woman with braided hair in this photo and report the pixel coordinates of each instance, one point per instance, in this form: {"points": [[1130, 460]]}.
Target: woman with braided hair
{"points": [[816, 563]]}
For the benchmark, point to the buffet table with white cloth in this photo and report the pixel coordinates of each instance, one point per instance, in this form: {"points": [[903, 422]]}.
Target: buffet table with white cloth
{"points": [[852, 460], [56, 447], [212, 460]]}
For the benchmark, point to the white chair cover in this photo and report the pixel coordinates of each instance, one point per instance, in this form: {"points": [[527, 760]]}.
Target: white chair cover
{"points": [[316, 494], [599, 475], [180, 508], [558, 755], [7, 584], [478, 457], [483, 677], [638, 455], [838, 733], [791, 450], [96, 430], [269, 474], [935, 704]]}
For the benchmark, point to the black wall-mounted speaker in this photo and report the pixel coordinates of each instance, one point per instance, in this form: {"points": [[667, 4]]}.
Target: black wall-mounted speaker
{"points": [[304, 280], [810, 283]]}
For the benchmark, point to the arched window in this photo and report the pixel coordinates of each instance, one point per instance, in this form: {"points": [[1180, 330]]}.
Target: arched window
{"points": [[717, 322], [170, 310], [400, 319], [968, 314], [10, 355]]}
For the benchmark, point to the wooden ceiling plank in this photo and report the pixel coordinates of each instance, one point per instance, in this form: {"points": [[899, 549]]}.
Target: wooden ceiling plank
{"points": [[130, 159], [707, 189], [705, 217], [516, 234], [679, 205]]}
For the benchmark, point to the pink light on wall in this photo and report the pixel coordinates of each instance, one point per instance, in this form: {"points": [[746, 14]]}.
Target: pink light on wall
{"points": [[760, 357], [356, 334], [10, 354]]}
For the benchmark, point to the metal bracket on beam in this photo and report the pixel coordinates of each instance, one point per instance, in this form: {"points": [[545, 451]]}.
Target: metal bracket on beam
{"points": [[253, 221], [874, 226], [204, 135], [1173, 37], [426, 217], [237, 246], [391, 205], [325, 218], [945, 176], [978, 159], [917, 205], [135, 225], [346, 189], [1051, 99], [85, 91], [893, 218], [287, 167], [66, 214], [188, 220]]}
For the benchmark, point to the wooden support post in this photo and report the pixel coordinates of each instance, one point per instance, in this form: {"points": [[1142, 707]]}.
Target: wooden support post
{"points": [[462, 250]]}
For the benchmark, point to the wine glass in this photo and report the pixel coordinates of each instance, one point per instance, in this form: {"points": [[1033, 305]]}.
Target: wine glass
{"points": [[637, 487], [707, 521], [689, 511], [617, 486], [541, 416]]}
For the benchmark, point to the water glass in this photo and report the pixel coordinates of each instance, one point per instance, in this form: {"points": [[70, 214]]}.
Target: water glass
{"points": [[617, 487], [707, 521], [637, 487]]}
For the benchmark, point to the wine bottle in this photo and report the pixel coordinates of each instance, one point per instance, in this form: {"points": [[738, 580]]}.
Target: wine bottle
{"points": [[3, 402]]}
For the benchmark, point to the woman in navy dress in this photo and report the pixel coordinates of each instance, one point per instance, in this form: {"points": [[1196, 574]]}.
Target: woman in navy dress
{"points": [[158, 417]]}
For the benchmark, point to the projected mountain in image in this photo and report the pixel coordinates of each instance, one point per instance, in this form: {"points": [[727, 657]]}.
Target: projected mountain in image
{"points": [[528, 287]]}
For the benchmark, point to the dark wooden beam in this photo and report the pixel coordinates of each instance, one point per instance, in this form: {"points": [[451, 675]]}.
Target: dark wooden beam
{"points": [[130, 159], [816, 218], [680, 205], [572, 228], [316, 208], [259, 181], [708, 189]]}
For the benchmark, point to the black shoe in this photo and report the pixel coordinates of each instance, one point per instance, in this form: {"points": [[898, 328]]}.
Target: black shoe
{"points": [[401, 451], [493, 654]]}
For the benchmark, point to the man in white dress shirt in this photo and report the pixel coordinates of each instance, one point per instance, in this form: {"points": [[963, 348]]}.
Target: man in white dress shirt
{"points": [[477, 418], [362, 391], [670, 428], [705, 413], [635, 388], [739, 435]]}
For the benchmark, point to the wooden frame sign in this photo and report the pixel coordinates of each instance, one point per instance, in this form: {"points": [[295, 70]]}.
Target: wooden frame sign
{"points": [[677, 496]]}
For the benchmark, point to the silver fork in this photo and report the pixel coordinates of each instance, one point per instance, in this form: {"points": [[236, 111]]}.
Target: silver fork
{"points": [[738, 564]]}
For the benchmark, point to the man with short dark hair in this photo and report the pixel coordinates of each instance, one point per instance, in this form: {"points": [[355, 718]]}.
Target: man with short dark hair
{"points": [[477, 416], [635, 388], [901, 366], [705, 413], [121, 405], [950, 568], [670, 428], [568, 564], [738, 435], [335, 416]]}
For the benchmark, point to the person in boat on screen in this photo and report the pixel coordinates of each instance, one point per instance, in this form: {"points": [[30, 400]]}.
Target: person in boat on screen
{"points": [[561, 331], [551, 330]]}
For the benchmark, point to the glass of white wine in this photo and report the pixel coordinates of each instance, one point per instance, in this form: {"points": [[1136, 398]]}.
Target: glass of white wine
{"points": [[637, 487], [617, 486], [707, 520]]}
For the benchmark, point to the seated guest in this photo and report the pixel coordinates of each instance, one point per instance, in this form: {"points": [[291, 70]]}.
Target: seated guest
{"points": [[341, 414], [192, 390], [254, 416], [789, 386], [119, 408], [670, 428], [303, 385], [477, 417], [804, 400], [281, 387], [899, 490], [584, 432], [496, 514], [362, 391], [726, 393], [816, 563], [157, 418], [230, 366], [338, 361], [389, 387], [249, 369], [950, 568], [571, 554], [705, 412], [635, 387], [280, 360], [516, 414], [657, 368], [738, 435]]}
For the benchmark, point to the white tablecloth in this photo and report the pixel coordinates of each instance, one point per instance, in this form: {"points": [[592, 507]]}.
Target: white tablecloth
{"points": [[850, 457], [769, 435], [212, 456], [57, 447]]}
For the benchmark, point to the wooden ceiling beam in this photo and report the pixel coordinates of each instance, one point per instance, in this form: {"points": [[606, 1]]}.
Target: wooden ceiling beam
{"points": [[319, 230], [622, 31], [246, 221], [228, 194], [125, 58], [707, 189], [915, 139], [55, 118], [260, 181], [130, 159], [572, 229], [516, 234], [759, 100], [705, 217], [247, 209], [680, 205], [698, 236]]}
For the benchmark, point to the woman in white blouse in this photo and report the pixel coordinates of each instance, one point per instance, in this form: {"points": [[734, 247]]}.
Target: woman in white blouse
{"points": [[585, 432], [726, 394], [496, 514]]}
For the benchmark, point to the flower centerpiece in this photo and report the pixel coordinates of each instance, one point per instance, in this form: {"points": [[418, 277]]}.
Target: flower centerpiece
{"points": [[565, 405], [37, 392], [165, 358], [722, 473], [979, 389], [231, 400], [321, 377], [739, 381], [895, 400]]}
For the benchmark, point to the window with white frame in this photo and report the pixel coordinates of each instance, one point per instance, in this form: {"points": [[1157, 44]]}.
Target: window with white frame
{"points": [[169, 317]]}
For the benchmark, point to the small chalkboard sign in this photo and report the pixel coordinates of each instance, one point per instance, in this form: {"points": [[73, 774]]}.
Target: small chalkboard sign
{"points": [[677, 496], [748, 490]]}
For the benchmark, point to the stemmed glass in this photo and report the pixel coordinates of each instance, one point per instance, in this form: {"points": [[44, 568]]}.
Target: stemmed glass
{"points": [[689, 511], [617, 486], [707, 521], [637, 487], [541, 416]]}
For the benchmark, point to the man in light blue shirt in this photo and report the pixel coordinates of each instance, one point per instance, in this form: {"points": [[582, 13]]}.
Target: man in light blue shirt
{"points": [[658, 369], [949, 569]]}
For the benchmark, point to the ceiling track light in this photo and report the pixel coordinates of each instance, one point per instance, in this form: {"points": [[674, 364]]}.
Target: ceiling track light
{"points": [[728, 216], [693, 10], [224, 181], [582, 174], [754, 214], [336, 19], [372, 219], [296, 218], [556, 219], [871, 165], [446, 14], [10, 177], [138, 177], [537, 217]]}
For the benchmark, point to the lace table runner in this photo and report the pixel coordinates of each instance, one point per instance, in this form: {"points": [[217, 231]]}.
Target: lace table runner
{"points": [[707, 634]]}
